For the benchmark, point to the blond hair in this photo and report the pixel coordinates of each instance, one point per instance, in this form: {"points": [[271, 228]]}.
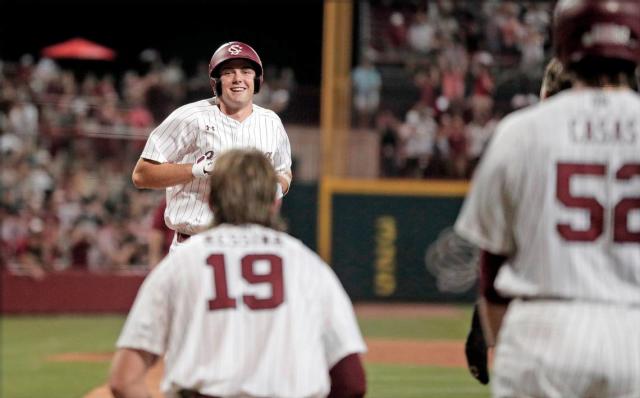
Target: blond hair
{"points": [[555, 79], [243, 189]]}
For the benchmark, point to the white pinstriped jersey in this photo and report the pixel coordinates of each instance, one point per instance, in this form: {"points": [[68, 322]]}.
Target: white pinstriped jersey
{"points": [[202, 129], [558, 191], [244, 310]]}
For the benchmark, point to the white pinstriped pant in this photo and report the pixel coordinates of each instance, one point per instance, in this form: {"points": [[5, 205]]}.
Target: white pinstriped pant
{"points": [[568, 349]]}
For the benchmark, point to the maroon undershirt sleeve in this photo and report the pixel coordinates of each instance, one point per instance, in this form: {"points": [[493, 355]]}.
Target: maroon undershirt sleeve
{"points": [[348, 378], [489, 266]]}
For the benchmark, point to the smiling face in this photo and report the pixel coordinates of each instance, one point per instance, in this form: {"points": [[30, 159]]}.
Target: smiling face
{"points": [[237, 78]]}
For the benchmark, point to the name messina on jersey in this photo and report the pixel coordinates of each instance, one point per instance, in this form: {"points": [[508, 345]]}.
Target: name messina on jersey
{"points": [[243, 239]]}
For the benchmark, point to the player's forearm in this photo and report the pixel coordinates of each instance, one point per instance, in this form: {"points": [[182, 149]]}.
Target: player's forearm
{"points": [[491, 315], [491, 305], [132, 391], [128, 370], [161, 175]]}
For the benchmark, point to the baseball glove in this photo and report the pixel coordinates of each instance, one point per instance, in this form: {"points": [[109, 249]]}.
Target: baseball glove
{"points": [[475, 350]]}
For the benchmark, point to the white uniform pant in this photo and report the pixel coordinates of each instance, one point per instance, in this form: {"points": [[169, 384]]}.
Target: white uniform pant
{"points": [[568, 349]]}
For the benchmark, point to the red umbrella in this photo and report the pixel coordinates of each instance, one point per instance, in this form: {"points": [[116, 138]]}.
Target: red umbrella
{"points": [[79, 48]]}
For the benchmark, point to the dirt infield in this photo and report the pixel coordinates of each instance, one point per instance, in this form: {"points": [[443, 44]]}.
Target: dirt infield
{"points": [[443, 353], [414, 352]]}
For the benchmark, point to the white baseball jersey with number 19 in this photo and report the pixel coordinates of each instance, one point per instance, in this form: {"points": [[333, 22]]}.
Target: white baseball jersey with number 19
{"points": [[244, 311], [558, 192], [201, 129]]}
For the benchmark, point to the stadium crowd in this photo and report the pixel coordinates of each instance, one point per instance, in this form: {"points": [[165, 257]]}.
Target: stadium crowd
{"points": [[441, 74], [68, 143]]}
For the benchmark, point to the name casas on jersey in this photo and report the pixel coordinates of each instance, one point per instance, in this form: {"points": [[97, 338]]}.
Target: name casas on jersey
{"points": [[604, 131]]}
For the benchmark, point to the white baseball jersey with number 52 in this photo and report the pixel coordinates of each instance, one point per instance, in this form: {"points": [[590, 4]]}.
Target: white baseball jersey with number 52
{"points": [[244, 310], [558, 191]]}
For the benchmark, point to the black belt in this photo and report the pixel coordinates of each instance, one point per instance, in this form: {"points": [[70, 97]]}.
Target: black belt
{"points": [[193, 394], [180, 237], [546, 298], [577, 300]]}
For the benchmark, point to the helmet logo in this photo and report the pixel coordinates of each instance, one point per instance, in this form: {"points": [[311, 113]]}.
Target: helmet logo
{"points": [[235, 49], [602, 34]]}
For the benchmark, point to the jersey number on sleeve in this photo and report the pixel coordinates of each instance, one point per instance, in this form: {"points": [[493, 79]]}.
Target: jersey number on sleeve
{"points": [[621, 232], [273, 277]]}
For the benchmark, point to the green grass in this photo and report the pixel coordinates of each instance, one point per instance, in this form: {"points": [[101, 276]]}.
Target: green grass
{"points": [[405, 381], [26, 343], [421, 328]]}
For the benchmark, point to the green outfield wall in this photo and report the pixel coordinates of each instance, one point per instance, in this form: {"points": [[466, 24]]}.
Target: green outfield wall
{"points": [[388, 240]]}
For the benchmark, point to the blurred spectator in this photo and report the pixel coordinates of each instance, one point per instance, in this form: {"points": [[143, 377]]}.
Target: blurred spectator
{"points": [[521, 100], [421, 34], [23, 118], [198, 85], [367, 85], [396, 34], [511, 31], [428, 82], [116, 247], [532, 49], [82, 237], [387, 126], [438, 166], [159, 98], [459, 146], [445, 18], [482, 81], [418, 140], [453, 85], [480, 128], [36, 252], [538, 16], [276, 89]]}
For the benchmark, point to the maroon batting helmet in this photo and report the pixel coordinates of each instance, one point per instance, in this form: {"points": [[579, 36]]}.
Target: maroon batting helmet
{"points": [[597, 28], [229, 51]]}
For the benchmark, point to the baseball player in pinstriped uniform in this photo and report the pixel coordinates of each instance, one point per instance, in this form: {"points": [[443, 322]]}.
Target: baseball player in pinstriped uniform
{"points": [[242, 309], [554, 80], [555, 205], [181, 152]]}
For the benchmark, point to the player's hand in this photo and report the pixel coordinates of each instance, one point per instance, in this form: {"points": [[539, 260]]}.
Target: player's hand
{"points": [[202, 168], [475, 350]]}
